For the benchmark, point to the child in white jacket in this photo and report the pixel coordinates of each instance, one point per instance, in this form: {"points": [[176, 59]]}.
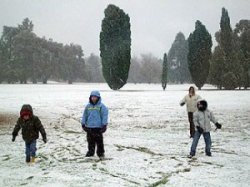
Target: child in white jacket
{"points": [[202, 119], [191, 100]]}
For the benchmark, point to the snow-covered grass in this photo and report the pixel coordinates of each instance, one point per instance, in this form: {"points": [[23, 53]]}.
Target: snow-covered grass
{"points": [[147, 141]]}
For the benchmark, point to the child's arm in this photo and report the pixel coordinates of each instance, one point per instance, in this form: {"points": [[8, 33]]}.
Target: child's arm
{"points": [[16, 130], [213, 119], [104, 115], [84, 116], [183, 101], [41, 129]]}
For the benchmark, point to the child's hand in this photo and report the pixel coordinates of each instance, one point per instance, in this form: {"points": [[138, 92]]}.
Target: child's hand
{"points": [[218, 126], [200, 130], [45, 140], [182, 104], [13, 138], [104, 128], [84, 128]]}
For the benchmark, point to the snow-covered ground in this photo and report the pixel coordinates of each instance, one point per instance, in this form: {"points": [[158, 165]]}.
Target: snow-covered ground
{"points": [[147, 141]]}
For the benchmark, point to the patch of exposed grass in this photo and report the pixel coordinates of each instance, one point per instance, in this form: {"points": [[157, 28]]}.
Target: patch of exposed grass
{"points": [[6, 119], [116, 175], [29, 178], [164, 180], [166, 176], [72, 132], [140, 149]]}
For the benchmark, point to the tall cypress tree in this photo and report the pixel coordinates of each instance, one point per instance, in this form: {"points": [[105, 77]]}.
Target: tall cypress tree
{"points": [[226, 34], [164, 77], [243, 31], [199, 43], [216, 68], [115, 44], [225, 65], [177, 59], [228, 44]]}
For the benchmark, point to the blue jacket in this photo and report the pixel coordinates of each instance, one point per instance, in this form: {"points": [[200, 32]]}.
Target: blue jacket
{"points": [[95, 115]]}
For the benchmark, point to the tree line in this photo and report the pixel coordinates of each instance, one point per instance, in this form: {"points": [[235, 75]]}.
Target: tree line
{"points": [[230, 63], [26, 57], [189, 60], [226, 67]]}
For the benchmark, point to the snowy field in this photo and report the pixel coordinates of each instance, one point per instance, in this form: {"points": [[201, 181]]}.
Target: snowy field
{"points": [[147, 141]]}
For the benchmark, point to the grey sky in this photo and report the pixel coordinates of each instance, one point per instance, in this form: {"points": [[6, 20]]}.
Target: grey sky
{"points": [[154, 23]]}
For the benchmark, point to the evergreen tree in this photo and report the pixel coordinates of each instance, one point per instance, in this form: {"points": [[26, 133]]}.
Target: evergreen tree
{"points": [[243, 32], [164, 77], [44, 59], [177, 59], [23, 50], [2, 66], [216, 67], [226, 43], [7, 39], [237, 59], [115, 43], [230, 63], [24, 56], [226, 37], [93, 64], [72, 60], [199, 43]]}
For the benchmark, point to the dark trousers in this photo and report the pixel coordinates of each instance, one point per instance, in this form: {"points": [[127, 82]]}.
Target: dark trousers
{"points": [[191, 122], [95, 138]]}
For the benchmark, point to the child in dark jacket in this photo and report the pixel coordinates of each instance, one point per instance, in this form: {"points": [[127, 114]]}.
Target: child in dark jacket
{"points": [[202, 119], [94, 122], [31, 126]]}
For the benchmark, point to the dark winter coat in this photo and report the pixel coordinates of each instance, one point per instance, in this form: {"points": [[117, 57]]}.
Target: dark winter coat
{"points": [[30, 128]]}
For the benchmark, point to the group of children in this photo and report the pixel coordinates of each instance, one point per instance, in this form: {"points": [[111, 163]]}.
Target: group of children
{"points": [[199, 117], [95, 120], [94, 123]]}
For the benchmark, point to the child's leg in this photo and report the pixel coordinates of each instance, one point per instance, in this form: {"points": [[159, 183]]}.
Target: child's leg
{"points": [[208, 142], [91, 144], [33, 148], [100, 145], [27, 151], [191, 123], [196, 138]]}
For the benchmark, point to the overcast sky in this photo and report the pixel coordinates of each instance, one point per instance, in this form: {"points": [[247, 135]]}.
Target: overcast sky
{"points": [[154, 23]]}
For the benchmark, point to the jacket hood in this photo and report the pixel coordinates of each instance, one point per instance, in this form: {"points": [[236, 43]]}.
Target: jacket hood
{"points": [[26, 110], [202, 105], [95, 93], [27, 107]]}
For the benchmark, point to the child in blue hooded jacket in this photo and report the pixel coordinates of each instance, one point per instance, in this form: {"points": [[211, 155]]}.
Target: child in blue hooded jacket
{"points": [[94, 123]]}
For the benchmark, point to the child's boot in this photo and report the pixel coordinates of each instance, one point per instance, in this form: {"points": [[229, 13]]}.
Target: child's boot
{"points": [[33, 159], [209, 154], [101, 156], [89, 154], [27, 159]]}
